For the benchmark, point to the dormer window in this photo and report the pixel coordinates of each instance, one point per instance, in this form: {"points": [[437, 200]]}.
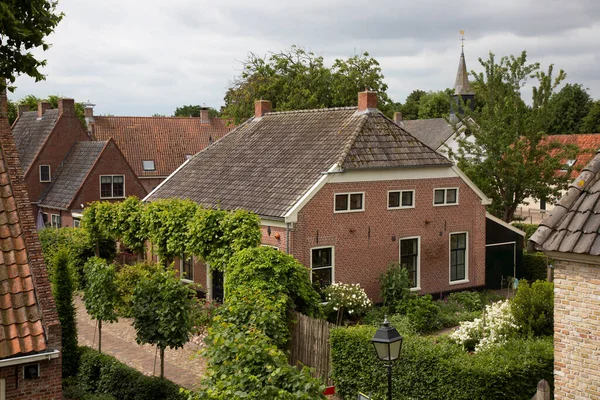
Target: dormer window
{"points": [[148, 165], [45, 173]]}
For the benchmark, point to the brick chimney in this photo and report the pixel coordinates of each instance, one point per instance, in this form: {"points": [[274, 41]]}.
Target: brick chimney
{"points": [[66, 107], [43, 106], [3, 104], [367, 100], [23, 108], [261, 107], [204, 117], [398, 117]]}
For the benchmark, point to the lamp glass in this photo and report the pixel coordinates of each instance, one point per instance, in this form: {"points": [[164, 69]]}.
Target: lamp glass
{"points": [[383, 350], [395, 349]]}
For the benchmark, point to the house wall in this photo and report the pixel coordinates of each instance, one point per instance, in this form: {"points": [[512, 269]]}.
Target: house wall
{"points": [[47, 387], [151, 183], [576, 330], [361, 257]]}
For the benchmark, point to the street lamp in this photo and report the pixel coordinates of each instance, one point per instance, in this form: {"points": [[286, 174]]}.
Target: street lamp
{"points": [[388, 343]]}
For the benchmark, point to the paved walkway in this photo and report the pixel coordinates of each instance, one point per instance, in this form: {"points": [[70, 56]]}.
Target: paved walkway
{"points": [[182, 366]]}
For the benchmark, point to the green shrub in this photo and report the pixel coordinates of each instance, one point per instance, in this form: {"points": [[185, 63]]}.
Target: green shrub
{"points": [[529, 229], [470, 301], [395, 286], [434, 368], [535, 266], [533, 308], [490, 296], [104, 377], [127, 278], [423, 313]]}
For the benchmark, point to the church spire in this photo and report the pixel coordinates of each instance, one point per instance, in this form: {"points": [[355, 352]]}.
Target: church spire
{"points": [[461, 85]]}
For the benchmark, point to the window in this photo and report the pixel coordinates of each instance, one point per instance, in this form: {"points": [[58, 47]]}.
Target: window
{"points": [[458, 257], [409, 259], [45, 173], [187, 268], [148, 165], [445, 197], [55, 222], [349, 202], [401, 199], [76, 223], [321, 265], [112, 186]]}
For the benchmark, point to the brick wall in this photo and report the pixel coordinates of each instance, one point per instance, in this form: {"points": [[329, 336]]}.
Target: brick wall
{"points": [[151, 183], [576, 330], [47, 387], [366, 242]]}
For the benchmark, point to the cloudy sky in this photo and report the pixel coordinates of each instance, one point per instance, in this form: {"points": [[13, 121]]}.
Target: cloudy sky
{"points": [[140, 57]]}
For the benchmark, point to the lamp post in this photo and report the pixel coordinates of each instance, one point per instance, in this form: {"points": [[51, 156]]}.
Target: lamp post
{"points": [[388, 344]]}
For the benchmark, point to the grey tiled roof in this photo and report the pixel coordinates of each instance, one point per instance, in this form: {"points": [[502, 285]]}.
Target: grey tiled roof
{"points": [[72, 174], [433, 132], [573, 226], [30, 134], [267, 164]]}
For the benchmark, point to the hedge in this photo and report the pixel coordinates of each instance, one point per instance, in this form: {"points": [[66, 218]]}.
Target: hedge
{"points": [[432, 368], [529, 229], [535, 266], [101, 376]]}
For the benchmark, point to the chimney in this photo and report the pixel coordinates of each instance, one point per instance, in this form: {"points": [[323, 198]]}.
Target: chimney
{"points": [[66, 107], [261, 107], [88, 109], [398, 117], [3, 102], [43, 106], [204, 117], [23, 108], [367, 100]]}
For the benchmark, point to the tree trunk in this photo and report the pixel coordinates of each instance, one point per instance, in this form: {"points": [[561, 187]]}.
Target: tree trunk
{"points": [[99, 336], [162, 362]]}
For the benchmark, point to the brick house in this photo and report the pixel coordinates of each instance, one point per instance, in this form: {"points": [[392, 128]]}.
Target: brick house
{"points": [[346, 191], [64, 169], [570, 235], [156, 146], [30, 335]]}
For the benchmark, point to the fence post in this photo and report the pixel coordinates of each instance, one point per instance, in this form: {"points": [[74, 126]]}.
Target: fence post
{"points": [[543, 391]]}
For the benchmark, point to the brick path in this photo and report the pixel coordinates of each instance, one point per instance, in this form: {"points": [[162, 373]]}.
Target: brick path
{"points": [[182, 366]]}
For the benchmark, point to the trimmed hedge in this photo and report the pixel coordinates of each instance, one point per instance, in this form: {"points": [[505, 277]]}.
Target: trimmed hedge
{"points": [[439, 369], [101, 376], [534, 266]]}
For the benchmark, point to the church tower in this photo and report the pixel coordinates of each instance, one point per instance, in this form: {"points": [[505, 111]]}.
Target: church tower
{"points": [[462, 87]]}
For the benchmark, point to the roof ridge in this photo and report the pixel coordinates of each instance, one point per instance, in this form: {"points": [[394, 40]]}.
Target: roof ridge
{"points": [[309, 110], [158, 117]]}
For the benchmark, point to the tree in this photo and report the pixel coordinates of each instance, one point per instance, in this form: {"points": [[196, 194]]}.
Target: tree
{"points": [[410, 108], [32, 102], [25, 25], [12, 112], [100, 294], [131, 230], [194, 111], [435, 104], [298, 79], [162, 312], [591, 122], [509, 158], [99, 221], [568, 108], [62, 290]]}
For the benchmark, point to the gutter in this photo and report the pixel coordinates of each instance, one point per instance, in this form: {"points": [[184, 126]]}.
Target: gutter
{"points": [[31, 358]]}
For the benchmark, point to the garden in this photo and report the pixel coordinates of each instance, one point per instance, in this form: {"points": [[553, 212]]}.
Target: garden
{"points": [[467, 345]]}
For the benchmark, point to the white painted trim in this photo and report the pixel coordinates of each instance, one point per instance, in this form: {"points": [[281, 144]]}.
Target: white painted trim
{"points": [[29, 359], [153, 165], [112, 187], [208, 283], [273, 223], [486, 201], [393, 174], [445, 203], [505, 224], [332, 261], [467, 250], [501, 244], [181, 261], [163, 182], [292, 214], [348, 210], [52, 220], [77, 215], [418, 287], [400, 207], [49, 173]]}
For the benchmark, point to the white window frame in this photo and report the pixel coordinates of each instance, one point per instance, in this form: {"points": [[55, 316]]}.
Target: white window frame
{"points": [[112, 186], [49, 172], [332, 261], [467, 249], [52, 224], [418, 287], [348, 210], [181, 263], [148, 169], [269, 245], [76, 223], [400, 206], [445, 203]]}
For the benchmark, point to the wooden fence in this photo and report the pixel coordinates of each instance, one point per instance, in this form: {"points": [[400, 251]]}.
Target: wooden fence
{"points": [[309, 344]]}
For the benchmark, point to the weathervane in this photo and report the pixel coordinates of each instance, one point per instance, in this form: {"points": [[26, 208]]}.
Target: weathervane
{"points": [[462, 38]]}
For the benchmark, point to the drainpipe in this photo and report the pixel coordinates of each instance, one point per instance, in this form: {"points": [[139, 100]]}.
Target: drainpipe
{"points": [[287, 238]]}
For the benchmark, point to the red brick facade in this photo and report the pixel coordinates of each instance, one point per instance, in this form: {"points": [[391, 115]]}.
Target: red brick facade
{"points": [[47, 387]]}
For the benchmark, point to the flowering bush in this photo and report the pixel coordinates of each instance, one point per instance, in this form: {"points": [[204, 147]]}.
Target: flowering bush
{"points": [[347, 297], [495, 327]]}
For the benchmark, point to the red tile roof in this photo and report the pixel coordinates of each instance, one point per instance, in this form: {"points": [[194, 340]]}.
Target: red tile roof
{"points": [[165, 140], [588, 144]]}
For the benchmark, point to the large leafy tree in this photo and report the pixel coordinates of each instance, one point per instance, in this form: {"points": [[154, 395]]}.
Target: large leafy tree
{"points": [[32, 102], [410, 108], [435, 104], [591, 122], [298, 79], [509, 158], [568, 108], [193, 111], [24, 27]]}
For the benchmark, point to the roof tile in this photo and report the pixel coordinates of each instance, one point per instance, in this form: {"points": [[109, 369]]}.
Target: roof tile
{"points": [[31, 132]]}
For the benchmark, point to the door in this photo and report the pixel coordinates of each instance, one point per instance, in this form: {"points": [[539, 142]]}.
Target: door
{"points": [[499, 264]]}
